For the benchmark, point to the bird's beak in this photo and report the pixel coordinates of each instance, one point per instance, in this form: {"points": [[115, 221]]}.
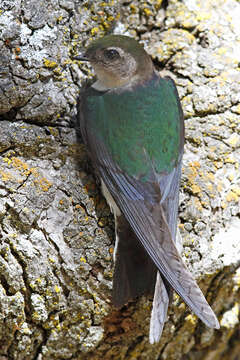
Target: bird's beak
{"points": [[81, 57]]}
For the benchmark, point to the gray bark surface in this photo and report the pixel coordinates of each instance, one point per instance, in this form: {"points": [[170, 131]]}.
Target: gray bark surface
{"points": [[56, 231]]}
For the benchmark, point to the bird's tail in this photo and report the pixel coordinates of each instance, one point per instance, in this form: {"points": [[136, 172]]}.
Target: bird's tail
{"points": [[135, 273], [159, 310], [162, 298]]}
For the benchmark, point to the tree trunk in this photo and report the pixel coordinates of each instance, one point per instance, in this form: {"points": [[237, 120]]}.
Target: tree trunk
{"points": [[56, 231]]}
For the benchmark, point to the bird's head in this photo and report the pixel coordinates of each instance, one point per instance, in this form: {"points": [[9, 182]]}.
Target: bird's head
{"points": [[118, 61]]}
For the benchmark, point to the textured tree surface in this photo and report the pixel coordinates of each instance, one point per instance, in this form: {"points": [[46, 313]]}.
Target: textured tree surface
{"points": [[56, 231]]}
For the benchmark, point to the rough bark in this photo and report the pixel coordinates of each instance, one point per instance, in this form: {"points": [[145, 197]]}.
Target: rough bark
{"points": [[56, 231]]}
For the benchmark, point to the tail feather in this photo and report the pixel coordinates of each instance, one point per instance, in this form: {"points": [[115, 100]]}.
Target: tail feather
{"points": [[163, 295], [159, 310], [135, 273]]}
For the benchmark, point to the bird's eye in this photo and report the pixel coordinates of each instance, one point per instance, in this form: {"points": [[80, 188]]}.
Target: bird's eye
{"points": [[111, 54]]}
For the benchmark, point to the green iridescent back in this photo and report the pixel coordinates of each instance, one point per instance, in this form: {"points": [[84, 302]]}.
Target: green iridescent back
{"points": [[141, 129]]}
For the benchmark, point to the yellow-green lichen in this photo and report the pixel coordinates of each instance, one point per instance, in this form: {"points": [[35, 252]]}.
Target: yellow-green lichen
{"points": [[49, 63]]}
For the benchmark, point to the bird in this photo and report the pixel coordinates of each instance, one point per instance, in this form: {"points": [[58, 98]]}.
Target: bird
{"points": [[132, 124]]}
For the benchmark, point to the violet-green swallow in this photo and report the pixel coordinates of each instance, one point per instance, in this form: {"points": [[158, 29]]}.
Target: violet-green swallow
{"points": [[131, 121]]}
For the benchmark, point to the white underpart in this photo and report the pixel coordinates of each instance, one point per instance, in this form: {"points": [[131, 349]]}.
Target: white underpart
{"points": [[159, 310], [115, 210]]}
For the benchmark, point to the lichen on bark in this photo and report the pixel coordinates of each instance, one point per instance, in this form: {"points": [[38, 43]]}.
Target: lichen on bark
{"points": [[56, 231]]}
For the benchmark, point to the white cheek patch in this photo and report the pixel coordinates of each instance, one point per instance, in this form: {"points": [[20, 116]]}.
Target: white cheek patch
{"points": [[99, 86]]}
